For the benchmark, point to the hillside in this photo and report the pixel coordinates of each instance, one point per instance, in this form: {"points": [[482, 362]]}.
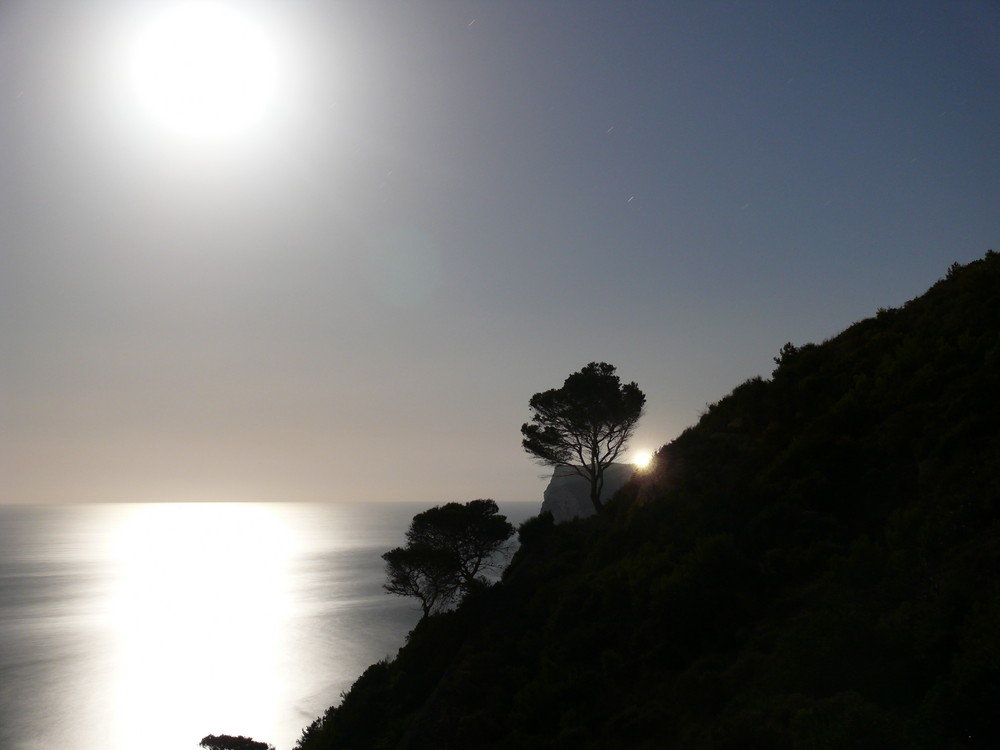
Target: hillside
{"points": [[813, 565]]}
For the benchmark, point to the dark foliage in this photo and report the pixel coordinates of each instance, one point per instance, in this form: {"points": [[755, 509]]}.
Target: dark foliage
{"points": [[228, 742], [816, 564]]}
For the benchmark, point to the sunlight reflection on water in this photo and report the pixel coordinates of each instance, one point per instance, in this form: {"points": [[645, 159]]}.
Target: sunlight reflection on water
{"points": [[146, 627], [201, 606]]}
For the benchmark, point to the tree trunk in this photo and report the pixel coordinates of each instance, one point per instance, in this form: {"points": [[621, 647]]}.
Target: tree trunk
{"points": [[595, 495]]}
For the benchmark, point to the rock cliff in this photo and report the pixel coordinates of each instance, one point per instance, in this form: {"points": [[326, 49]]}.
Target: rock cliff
{"points": [[568, 494]]}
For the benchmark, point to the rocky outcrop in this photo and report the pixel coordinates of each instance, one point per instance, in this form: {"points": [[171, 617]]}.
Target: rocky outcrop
{"points": [[568, 494]]}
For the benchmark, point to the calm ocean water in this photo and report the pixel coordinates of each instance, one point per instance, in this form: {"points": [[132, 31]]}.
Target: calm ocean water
{"points": [[146, 627]]}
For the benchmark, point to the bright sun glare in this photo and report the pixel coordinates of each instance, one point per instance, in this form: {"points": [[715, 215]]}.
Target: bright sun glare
{"points": [[641, 459], [203, 69]]}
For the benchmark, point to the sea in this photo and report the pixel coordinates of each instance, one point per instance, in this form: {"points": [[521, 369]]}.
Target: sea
{"points": [[150, 626]]}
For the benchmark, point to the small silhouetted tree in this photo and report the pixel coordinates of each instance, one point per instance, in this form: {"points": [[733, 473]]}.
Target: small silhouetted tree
{"points": [[585, 425], [426, 573], [228, 742], [448, 551], [472, 534]]}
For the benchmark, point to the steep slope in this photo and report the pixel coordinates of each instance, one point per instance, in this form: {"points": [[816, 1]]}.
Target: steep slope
{"points": [[814, 565]]}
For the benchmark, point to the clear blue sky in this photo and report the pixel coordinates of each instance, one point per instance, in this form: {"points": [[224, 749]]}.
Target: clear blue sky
{"points": [[446, 207]]}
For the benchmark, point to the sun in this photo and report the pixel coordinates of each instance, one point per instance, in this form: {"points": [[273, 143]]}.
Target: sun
{"points": [[642, 459], [203, 69]]}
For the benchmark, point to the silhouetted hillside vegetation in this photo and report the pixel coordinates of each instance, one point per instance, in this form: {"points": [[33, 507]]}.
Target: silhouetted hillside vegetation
{"points": [[813, 565]]}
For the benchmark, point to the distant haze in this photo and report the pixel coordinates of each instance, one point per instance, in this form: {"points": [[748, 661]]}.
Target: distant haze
{"points": [[442, 208]]}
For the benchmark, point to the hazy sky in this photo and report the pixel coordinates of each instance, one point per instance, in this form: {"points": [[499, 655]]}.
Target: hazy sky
{"points": [[431, 210]]}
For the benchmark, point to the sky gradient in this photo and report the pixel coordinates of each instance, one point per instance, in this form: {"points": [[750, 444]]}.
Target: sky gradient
{"points": [[449, 207]]}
